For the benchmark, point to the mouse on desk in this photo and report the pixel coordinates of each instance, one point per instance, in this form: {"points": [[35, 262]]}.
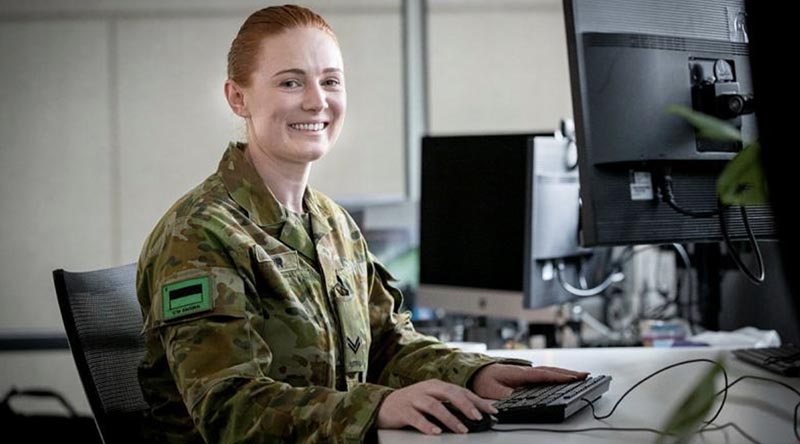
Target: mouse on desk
{"points": [[473, 425]]}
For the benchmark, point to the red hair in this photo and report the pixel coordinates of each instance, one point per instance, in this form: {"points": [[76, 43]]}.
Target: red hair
{"points": [[243, 55]]}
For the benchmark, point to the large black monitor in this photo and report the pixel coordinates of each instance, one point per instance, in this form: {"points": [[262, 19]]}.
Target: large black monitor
{"points": [[495, 212], [630, 60]]}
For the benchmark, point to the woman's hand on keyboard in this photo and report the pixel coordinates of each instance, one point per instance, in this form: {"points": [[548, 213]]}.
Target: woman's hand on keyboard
{"points": [[498, 381]]}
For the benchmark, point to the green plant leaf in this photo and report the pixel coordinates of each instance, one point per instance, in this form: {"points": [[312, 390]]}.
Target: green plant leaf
{"points": [[742, 181], [687, 418], [707, 126]]}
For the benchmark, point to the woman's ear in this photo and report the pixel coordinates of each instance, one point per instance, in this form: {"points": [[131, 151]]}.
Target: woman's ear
{"points": [[235, 96]]}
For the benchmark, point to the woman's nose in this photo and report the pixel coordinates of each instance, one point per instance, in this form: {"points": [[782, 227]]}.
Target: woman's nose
{"points": [[314, 98]]}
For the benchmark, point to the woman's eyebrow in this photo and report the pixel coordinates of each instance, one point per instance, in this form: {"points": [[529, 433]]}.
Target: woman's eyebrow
{"points": [[296, 71], [300, 72]]}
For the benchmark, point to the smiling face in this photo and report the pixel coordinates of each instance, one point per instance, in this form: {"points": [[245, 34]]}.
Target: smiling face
{"points": [[295, 102]]}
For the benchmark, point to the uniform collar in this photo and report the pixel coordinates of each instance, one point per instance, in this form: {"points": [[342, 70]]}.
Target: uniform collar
{"points": [[246, 187]]}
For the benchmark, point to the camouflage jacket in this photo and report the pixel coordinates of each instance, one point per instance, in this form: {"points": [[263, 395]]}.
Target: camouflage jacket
{"points": [[256, 332]]}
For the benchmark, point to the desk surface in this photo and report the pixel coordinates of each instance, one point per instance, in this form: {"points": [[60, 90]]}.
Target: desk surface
{"points": [[763, 410]]}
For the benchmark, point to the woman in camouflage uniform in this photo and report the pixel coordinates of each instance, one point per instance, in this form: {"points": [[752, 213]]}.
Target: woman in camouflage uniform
{"points": [[266, 317]]}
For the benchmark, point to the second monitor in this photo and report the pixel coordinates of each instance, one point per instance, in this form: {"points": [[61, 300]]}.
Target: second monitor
{"points": [[497, 214]]}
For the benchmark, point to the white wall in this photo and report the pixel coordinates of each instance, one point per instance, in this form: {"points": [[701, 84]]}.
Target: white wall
{"points": [[55, 162], [497, 66]]}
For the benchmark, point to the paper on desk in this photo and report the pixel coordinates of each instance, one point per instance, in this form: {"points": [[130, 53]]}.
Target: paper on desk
{"points": [[745, 337]]}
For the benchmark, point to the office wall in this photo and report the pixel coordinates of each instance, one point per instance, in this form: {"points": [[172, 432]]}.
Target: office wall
{"points": [[56, 172], [497, 67], [55, 182]]}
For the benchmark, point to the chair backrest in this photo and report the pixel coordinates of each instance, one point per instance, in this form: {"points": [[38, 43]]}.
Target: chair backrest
{"points": [[103, 322]]}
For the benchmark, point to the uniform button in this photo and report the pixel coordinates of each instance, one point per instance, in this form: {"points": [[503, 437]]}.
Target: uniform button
{"points": [[341, 289]]}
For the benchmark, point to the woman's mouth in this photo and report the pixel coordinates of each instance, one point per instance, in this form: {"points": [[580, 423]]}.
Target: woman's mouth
{"points": [[310, 126]]}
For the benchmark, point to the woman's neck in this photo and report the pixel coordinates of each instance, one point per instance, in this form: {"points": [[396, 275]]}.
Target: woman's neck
{"points": [[286, 180]]}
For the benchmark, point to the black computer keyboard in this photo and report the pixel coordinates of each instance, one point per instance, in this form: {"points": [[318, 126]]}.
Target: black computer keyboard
{"points": [[784, 360], [549, 403]]}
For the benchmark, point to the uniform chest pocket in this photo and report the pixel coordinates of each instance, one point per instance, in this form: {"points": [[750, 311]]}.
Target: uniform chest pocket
{"points": [[286, 285]]}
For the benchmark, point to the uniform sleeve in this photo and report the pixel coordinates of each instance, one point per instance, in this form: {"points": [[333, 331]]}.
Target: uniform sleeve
{"points": [[219, 359], [399, 355]]}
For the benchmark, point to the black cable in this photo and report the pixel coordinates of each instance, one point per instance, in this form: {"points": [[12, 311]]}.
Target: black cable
{"points": [[668, 197], [696, 214], [708, 424], [759, 378], [677, 364], [775, 381], [736, 427], [734, 253]]}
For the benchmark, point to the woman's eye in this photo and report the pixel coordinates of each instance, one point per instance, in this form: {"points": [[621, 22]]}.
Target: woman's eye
{"points": [[332, 82], [290, 83]]}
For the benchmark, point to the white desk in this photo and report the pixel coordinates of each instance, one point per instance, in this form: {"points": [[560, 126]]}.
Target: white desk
{"points": [[763, 410]]}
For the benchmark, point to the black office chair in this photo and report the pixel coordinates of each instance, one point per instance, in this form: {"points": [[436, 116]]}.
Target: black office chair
{"points": [[103, 322]]}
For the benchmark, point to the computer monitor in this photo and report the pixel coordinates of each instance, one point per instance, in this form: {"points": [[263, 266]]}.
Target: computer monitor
{"points": [[630, 60], [494, 210]]}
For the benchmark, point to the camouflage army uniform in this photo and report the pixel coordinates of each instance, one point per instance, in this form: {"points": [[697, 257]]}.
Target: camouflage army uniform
{"points": [[257, 333]]}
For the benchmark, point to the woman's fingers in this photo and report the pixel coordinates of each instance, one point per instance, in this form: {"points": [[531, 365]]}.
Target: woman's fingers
{"points": [[420, 422], [436, 409], [579, 375]]}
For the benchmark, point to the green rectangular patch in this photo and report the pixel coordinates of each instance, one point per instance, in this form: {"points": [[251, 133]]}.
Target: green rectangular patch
{"points": [[186, 297]]}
